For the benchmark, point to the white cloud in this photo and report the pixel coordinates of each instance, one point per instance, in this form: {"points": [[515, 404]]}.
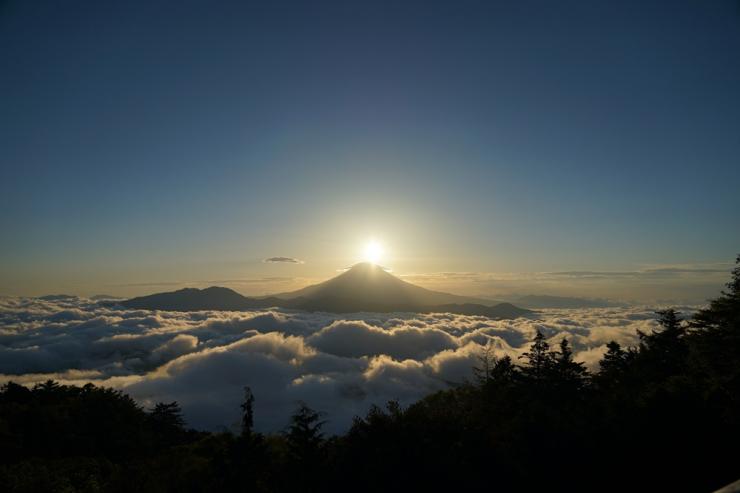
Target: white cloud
{"points": [[358, 338], [338, 364]]}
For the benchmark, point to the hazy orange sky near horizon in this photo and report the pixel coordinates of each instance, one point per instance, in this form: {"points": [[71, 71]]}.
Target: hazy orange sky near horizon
{"points": [[417, 254], [643, 284]]}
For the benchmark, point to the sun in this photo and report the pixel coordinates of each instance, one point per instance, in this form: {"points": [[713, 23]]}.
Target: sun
{"points": [[373, 252]]}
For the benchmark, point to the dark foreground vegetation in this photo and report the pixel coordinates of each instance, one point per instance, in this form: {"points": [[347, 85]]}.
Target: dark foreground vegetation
{"points": [[663, 416]]}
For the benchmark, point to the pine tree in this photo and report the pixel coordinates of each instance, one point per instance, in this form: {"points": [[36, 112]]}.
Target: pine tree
{"points": [[665, 338], [663, 352], [504, 370], [715, 345], [167, 423], [167, 415], [565, 370], [306, 454], [539, 359], [247, 412], [304, 433], [613, 365], [723, 312], [49, 386]]}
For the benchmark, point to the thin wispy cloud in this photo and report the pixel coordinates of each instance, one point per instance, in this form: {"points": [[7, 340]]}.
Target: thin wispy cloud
{"points": [[679, 283], [724, 269], [283, 260], [208, 282], [252, 281], [665, 272]]}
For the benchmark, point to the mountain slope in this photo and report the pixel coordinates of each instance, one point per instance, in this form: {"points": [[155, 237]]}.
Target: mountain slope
{"points": [[374, 284], [191, 299]]}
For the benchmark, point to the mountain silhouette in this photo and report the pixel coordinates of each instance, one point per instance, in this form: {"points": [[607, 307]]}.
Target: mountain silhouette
{"points": [[363, 288], [192, 299], [374, 285]]}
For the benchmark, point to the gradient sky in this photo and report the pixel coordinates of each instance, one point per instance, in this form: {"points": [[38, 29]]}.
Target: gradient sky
{"points": [[152, 144]]}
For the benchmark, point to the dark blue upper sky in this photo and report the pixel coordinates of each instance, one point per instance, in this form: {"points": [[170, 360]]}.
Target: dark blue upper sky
{"points": [[154, 141]]}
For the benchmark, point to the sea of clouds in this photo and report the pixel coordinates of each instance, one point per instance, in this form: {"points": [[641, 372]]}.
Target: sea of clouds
{"points": [[337, 364]]}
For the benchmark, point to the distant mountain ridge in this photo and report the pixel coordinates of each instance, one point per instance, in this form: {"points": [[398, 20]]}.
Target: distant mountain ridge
{"points": [[362, 288], [193, 299]]}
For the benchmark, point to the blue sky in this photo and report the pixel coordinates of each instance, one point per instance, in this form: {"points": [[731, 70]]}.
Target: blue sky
{"points": [[148, 143]]}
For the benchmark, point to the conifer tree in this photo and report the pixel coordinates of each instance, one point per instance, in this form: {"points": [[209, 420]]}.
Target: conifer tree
{"points": [[247, 412], [565, 370], [167, 415], [539, 359], [304, 432], [613, 365], [167, 422]]}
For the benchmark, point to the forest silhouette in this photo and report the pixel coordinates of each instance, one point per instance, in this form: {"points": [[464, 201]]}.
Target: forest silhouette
{"points": [[661, 416]]}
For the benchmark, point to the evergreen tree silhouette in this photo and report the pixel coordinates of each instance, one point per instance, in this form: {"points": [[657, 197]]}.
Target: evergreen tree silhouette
{"points": [[247, 412], [716, 348], [167, 415], [723, 313], [663, 352], [567, 372], [304, 432], [167, 423], [504, 371], [539, 360], [306, 455], [613, 366]]}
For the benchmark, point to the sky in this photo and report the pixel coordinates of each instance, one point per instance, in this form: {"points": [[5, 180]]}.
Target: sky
{"points": [[577, 148]]}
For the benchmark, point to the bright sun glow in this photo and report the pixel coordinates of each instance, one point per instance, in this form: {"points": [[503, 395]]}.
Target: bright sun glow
{"points": [[373, 252]]}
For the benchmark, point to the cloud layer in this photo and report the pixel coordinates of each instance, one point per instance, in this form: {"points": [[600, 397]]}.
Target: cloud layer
{"points": [[338, 364]]}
